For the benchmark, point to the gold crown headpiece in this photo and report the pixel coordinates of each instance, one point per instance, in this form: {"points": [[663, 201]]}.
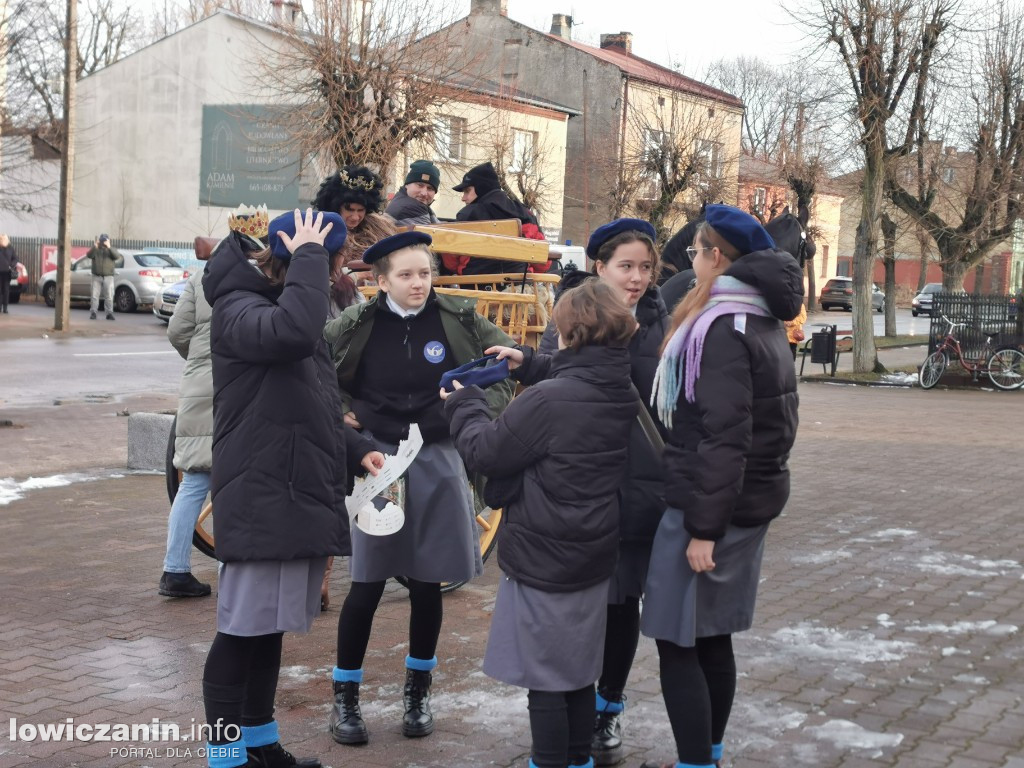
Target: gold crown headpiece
{"points": [[247, 220], [356, 182]]}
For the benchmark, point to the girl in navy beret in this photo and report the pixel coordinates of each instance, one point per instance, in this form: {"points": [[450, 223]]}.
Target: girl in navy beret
{"points": [[625, 258], [390, 354], [726, 390]]}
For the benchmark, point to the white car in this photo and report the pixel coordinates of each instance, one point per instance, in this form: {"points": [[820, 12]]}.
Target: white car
{"points": [[137, 280]]}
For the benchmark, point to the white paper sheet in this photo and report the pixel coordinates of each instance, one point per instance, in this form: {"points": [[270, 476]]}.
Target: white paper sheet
{"points": [[390, 519]]}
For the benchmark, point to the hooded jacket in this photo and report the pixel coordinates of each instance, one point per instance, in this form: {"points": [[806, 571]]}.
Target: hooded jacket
{"points": [[642, 494], [189, 332], [566, 438], [280, 449], [726, 457]]}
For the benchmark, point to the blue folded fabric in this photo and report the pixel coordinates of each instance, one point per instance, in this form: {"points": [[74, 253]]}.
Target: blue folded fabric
{"points": [[476, 373]]}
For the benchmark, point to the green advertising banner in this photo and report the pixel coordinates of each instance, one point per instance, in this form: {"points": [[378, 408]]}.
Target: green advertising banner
{"points": [[247, 158]]}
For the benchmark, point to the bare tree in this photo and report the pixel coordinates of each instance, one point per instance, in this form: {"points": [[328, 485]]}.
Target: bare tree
{"points": [[672, 157], [886, 49], [359, 87], [520, 158], [979, 202]]}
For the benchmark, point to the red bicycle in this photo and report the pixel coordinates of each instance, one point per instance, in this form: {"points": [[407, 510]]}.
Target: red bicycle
{"points": [[1004, 364]]}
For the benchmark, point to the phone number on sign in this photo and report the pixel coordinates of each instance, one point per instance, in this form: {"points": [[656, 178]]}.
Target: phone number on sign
{"points": [[266, 187]]}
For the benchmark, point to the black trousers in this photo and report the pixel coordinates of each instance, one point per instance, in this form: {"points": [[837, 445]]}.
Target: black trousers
{"points": [[240, 682], [562, 725], [356, 620], [621, 635], [5, 289], [698, 685]]}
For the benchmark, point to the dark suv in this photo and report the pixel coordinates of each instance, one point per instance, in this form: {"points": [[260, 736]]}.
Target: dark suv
{"points": [[838, 292]]}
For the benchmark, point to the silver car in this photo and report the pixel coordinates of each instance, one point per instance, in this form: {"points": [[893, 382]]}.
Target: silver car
{"points": [[922, 303], [138, 279]]}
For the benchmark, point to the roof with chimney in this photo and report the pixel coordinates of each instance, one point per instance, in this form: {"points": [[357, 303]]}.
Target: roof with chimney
{"points": [[649, 72]]}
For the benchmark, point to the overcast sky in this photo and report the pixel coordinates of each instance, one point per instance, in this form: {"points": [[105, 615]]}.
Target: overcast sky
{"points": [[693, 33]]}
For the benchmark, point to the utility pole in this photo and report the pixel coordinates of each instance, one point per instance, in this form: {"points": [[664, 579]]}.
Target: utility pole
{"points": [[62, 305]]}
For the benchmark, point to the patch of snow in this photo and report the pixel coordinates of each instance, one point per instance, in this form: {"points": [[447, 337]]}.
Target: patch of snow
{"points": [[12, 490], [298, 674], [972, 679], [989, 627], [847, 735], [819, 558], [949, 564], [889, 534], [810, 641], [884, 620]]}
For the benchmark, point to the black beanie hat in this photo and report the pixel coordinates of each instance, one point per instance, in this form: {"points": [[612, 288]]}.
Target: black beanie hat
{"points": [[425, 172], [482, 178]]}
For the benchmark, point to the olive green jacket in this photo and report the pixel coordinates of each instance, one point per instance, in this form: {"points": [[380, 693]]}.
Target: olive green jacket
{"points": [[469, 334]]}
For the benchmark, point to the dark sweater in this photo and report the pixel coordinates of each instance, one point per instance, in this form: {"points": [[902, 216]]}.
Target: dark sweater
{"points": [[398, 377]]}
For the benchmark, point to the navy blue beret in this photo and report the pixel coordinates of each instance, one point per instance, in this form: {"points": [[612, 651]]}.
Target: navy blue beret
{"points": [[739, 228], [389, 245], [480, 373], [607, 231], [286, 223]]}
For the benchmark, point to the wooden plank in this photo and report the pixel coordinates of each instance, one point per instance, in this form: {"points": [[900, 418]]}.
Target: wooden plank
{"points": [[506, 227], [487, 246]]}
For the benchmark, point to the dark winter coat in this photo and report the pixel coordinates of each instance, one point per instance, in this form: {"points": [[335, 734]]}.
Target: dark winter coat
{"points": [[642, 495], [492, 206], [8, 258], [726, 459], [104, 260], [408, 211], [279, 446], [566, 440]]}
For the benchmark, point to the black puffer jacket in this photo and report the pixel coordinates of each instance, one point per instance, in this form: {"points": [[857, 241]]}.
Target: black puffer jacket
{"points": [[567, 438], [488, 207], [642, 496], [279, 446], [726, 459], [408, 211]]}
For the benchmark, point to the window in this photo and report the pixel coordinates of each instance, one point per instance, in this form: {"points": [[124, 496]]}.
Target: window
{"points": [[450, 139], [760, 199], [709, 158], [824, 260], [524, 151], [155, 260], [948, 175]]}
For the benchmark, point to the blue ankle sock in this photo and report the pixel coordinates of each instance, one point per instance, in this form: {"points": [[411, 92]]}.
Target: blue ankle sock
{"points": [[420, 665], [717, 750], [588, 764], [260, 735], [226, 755], [695, 765], [611, 707], [347, 675]]}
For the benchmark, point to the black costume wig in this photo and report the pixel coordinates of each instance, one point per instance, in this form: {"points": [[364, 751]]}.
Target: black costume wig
{"points": [[351, 184]]}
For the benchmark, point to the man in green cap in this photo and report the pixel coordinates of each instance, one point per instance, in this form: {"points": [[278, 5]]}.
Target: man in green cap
{"points": [[411, 204]]}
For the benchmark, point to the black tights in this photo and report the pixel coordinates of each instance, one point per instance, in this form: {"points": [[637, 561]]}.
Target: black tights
{"points": [[698, 685], [240, 681], [621, 636], [356, 620], [562, 725]]}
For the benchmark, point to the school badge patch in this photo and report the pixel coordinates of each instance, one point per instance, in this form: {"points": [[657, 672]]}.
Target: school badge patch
{"points": [[434, 351]]}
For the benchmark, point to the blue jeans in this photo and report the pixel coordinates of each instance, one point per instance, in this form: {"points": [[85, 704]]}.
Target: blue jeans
{"points": [[188, 503]]}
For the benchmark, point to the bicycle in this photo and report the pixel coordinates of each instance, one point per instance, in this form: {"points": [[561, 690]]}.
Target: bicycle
{"points": [[1004, 364]]}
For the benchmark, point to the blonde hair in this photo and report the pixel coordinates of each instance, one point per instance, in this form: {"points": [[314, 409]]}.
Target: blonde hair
{"points": [[697, 298]]}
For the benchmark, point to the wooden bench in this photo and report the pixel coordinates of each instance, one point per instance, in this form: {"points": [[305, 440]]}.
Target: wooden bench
{"points": [[844, 344]]}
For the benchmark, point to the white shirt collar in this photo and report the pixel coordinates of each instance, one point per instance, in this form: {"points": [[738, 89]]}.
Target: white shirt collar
{"points": [[403, 312]]}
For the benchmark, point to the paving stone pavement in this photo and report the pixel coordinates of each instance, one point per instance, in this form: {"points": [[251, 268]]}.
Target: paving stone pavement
{"points": [[887, 632]]}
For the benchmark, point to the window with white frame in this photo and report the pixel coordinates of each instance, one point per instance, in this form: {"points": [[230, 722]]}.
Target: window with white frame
{"points": [[760, 199], [709, 158], [524, 151], [450, 139]]}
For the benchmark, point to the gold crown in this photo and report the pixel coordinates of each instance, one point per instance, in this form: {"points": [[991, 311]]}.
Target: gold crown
{"points": [[246, 220], [356, 183]]}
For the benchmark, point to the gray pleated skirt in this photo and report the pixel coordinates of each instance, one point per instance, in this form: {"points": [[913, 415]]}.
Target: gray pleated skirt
{"points": [[680, 605], [630, 572], [547, 641], [439, 541], [267, 596]]}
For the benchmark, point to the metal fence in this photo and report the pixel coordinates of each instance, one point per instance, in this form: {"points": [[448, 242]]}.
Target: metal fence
{"points": [[30, 252], [983, 316]]}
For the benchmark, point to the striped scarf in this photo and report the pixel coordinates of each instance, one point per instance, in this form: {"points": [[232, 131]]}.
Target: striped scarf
{"points": [[683, 352]]}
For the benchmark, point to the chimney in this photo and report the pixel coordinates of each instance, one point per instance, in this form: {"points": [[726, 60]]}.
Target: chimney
{"points": [[623, 41], [489, 7], [561, 26], [285, 12]]}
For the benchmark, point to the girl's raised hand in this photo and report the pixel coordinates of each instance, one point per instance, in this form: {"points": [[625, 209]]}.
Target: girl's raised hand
{"points": [[513, 355], [308, 229]]}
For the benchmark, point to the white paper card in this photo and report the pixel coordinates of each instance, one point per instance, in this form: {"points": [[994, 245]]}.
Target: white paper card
{"points": [[361, 510]]}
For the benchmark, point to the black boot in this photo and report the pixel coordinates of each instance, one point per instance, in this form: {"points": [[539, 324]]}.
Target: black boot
{"points": [[276, 756], [417, 721], [347, 726], [607, 744]]}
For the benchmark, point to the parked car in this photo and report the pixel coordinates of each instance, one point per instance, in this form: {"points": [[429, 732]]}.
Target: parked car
{"points": [[838, 292], [19, 281], [167, 300], [138, 278], [922, 303]]}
